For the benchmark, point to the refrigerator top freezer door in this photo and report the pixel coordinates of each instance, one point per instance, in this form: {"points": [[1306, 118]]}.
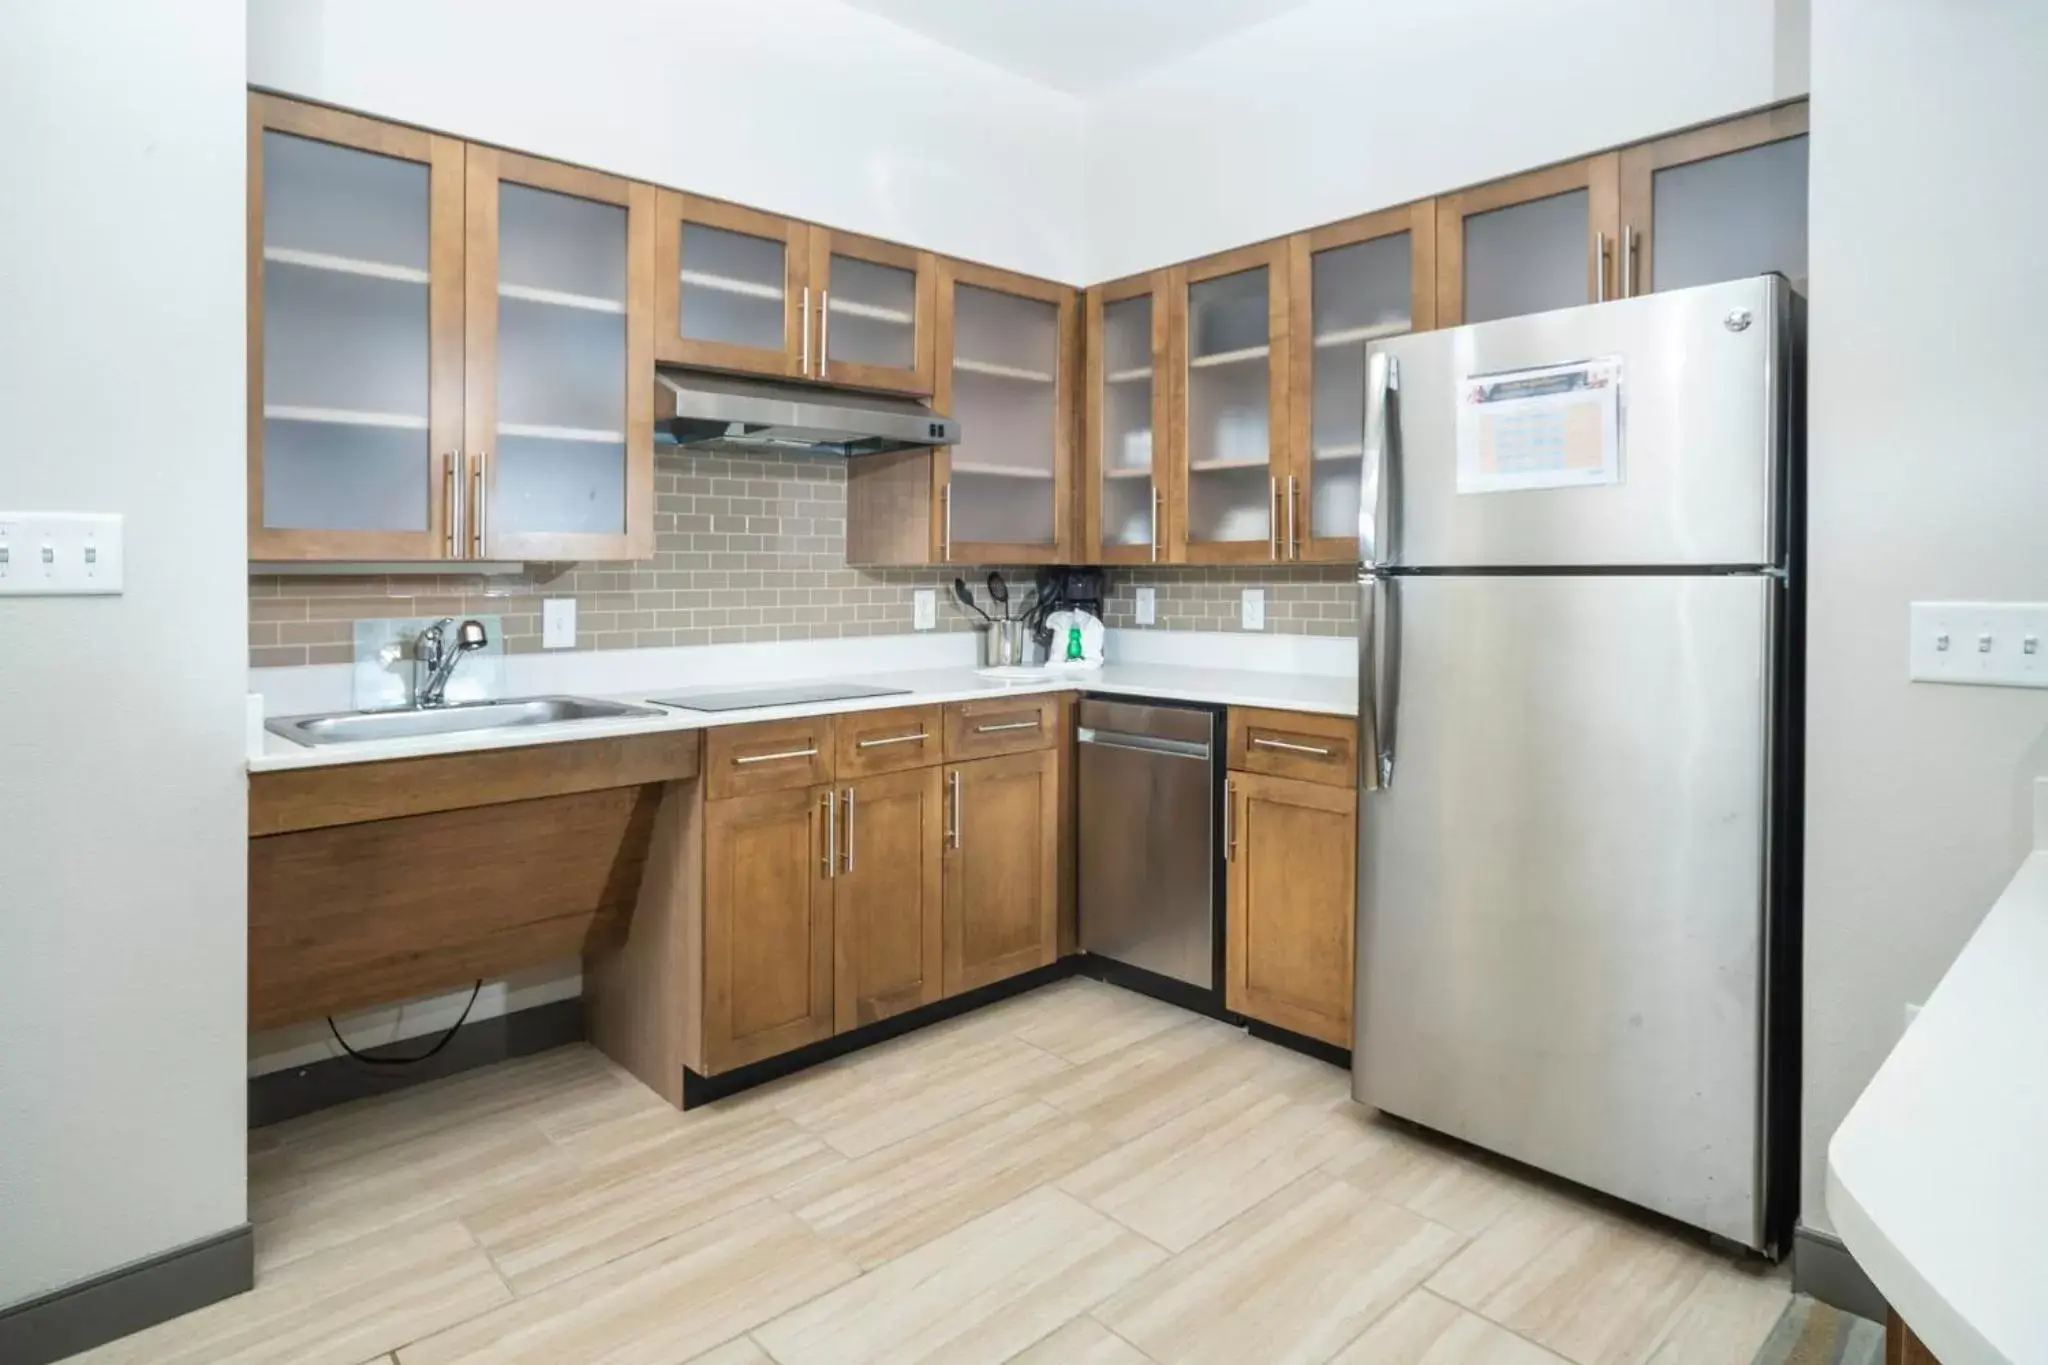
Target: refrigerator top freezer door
{"points": [[1702, 432], [1561, 914]]}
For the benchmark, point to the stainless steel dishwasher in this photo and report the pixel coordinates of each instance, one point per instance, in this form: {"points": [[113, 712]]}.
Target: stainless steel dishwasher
{"points": [[1148, 809]]}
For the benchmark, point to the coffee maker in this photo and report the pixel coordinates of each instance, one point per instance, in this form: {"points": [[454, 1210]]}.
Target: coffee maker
{"points": [[1064, 588]]}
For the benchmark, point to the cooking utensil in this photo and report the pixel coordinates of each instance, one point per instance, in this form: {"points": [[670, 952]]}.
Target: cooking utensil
{"points": [[999, 592], [966, 596]]}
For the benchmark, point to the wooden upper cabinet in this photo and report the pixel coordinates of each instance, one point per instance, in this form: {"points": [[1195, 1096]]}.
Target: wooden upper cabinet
{"points": [[1718, 203], [560, 361], [1350, 284], [1530, 243], [355, 336], [1009, 363], [887, 913], [876, 312], [1001, 868], [732, 289], [1232, 408], [1129, 464], [1290, 882]]}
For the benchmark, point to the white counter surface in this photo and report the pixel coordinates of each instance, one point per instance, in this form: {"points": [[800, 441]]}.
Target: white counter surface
{"points": [[1287, 690], [1938, 1178]]}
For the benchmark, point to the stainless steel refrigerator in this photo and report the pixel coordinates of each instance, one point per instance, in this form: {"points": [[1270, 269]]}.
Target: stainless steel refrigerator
{"points": [[1578, 696]]}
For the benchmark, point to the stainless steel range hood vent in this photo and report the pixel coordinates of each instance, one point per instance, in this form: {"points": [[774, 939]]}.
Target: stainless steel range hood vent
{"points": [[699, 408]]}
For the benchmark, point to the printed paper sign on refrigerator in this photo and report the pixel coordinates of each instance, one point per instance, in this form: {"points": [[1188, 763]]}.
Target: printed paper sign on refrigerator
{"points": [[1556, 426]]}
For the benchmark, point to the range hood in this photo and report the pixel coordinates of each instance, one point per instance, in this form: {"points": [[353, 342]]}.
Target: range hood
{"points": [[700, 408]]}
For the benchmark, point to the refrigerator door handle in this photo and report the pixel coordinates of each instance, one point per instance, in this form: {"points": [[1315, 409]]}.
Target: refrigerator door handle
{"points": [[1376, 478], [1379, 671]]}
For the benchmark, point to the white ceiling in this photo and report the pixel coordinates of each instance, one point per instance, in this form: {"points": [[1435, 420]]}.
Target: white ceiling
{"points": [[1081, 46]]}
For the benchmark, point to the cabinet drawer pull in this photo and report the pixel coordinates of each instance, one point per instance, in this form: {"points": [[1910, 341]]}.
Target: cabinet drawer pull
{"points": [[847, 865], [741, 759], [1031, 724], [953, 829], [1290, 748], [831, 835], [917, 738], [1229, 833]]}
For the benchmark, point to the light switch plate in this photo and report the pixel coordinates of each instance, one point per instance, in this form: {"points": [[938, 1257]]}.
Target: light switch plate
{"points": [[558, 623], [60, 554], [924, 608], [1985, 644], [1148, 606], [1253, 611]]}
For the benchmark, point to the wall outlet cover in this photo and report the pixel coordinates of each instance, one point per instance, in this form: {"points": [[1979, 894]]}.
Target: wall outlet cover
{"points": [[1148, 606], [925, 609], [558, 623], [1254, 609]]}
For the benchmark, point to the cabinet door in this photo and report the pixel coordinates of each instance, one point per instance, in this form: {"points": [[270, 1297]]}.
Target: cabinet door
{"points": [[1528, 244], [1009, 360], [732, 288], [1001, 868], [1719, 203], [1351, 283], [876, 304], [886, 913], [355, 336], [1232, 408], [1129, 408], [1291, 854], [560, 361], [768, 865]]}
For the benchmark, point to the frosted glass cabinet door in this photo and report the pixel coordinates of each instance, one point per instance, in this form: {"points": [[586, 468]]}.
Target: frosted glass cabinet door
{"points": [[1129, 426], [1718, 203], [356, 378], [560, 361], [1006, 348], [1529, 244], [731, 289], [1354, 282], [876, 304], [1235, 406]]}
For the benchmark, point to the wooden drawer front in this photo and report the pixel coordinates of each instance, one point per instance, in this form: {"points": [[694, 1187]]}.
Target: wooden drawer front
{"points": [[1295, 744], [1007, 725], [891, 741], [775, 755]]}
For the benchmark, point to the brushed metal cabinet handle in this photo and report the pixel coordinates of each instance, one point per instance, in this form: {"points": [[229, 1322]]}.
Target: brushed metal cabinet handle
{"points": [[740, 760], [946, 529], [1290, 748], [848, 863], [1009, 725], [1628, 261], [806, 368], [824, 330], [1600, 267], [448, 499], [1229, 828], [1293, 543], [831, 836], [917, 738], [1156, 509], [476, 505], [953, 832], [1273, 518]]}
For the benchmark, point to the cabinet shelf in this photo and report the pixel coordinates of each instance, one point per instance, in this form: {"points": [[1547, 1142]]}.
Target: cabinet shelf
{"points": [[588, 435], [1358, 336], [999, 471], [1206, 466], [1127, 473], [1128, 376], [1351, 451], [557, 298], [872, 312], [343, 265], [349, 417], [727, 284], [1249, 353], [989, 367]]}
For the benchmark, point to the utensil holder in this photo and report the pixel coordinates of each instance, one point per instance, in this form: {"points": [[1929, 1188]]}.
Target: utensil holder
{"points": [[1002, 644]]}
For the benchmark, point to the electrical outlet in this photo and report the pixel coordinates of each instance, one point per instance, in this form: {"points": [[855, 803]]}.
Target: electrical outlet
{"points": [[1148, 606], [1253, 612], [1988, 644], [924, 609], [558, 623], [60, 554]]}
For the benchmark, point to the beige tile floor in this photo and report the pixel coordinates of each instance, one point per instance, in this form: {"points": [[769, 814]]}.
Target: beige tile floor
{"points": [[1080, 1176]]}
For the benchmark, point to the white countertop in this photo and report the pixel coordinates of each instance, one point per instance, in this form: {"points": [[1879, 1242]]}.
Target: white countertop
{"points": [[1286, 689], [1937, 1180]]}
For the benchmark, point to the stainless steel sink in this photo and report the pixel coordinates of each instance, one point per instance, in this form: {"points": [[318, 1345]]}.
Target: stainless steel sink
{"points": [[345, 727]]}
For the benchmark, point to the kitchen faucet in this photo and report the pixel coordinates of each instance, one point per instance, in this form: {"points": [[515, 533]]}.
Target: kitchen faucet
{"points": [[432, 651]]}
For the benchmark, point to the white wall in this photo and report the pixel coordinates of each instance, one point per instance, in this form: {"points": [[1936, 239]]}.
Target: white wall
{"points": [[1342, 107], [122, 806], [805, 107], [1929, 481]]}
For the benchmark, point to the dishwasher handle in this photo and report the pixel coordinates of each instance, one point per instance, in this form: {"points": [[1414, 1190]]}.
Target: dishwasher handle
{"points": [[1149, 744]]}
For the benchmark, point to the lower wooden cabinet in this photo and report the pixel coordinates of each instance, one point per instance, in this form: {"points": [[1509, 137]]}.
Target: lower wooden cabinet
{"points": [[1291, 861], [886, 911], [1001, 868], [768, 925]]}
